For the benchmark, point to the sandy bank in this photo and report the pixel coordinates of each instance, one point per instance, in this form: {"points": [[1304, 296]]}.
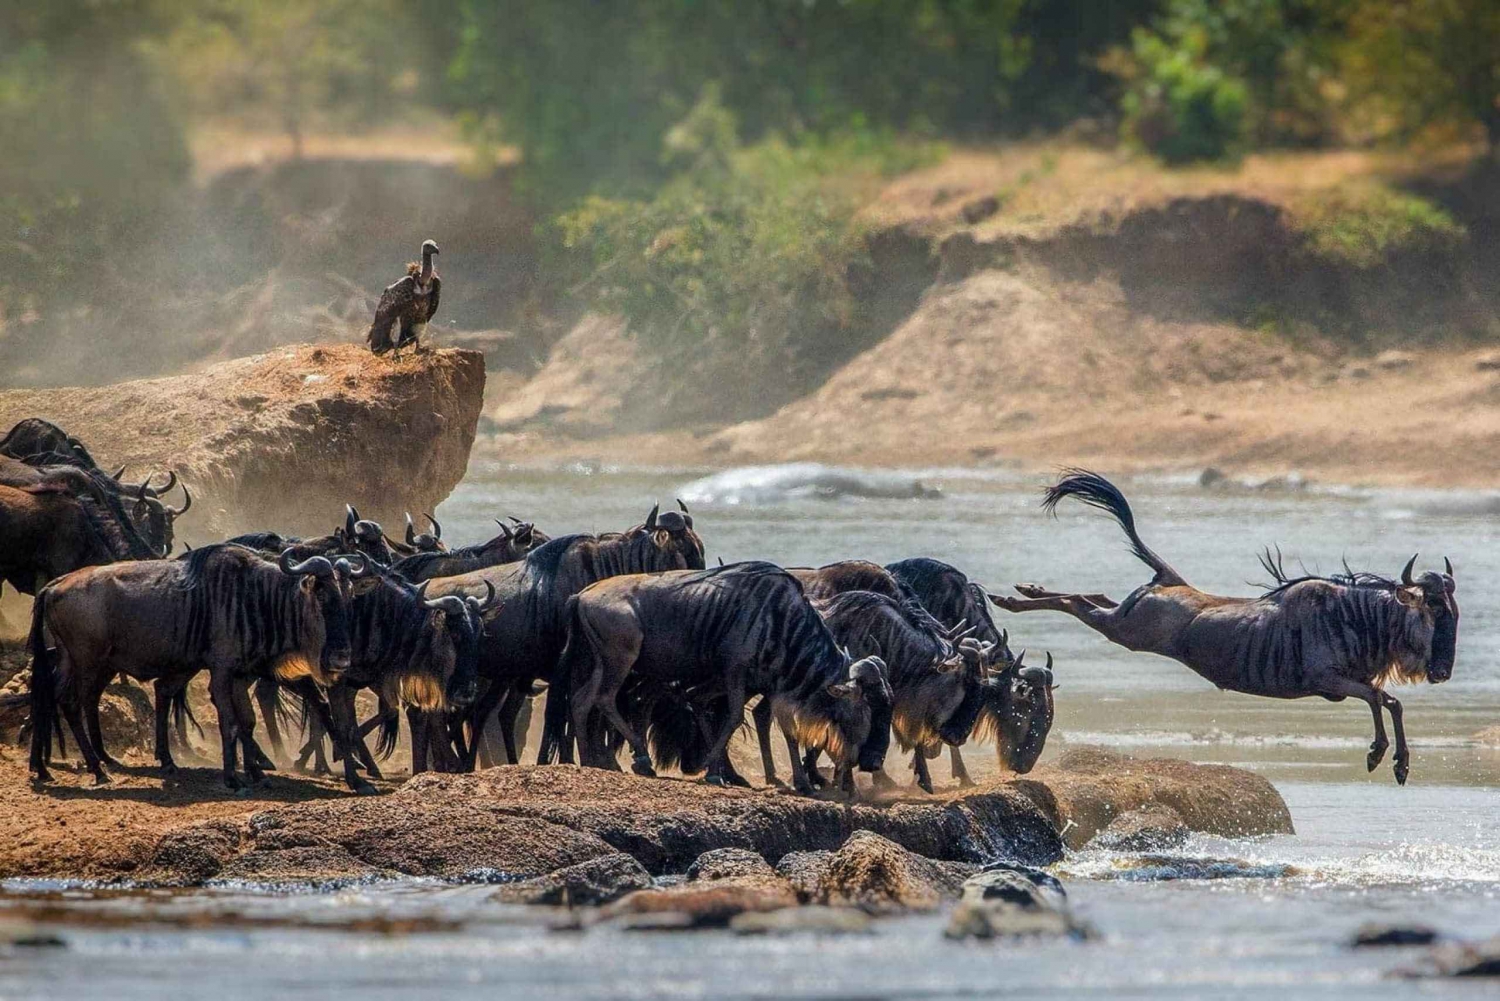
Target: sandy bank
{"points": [[283, 440], [514, 823]]}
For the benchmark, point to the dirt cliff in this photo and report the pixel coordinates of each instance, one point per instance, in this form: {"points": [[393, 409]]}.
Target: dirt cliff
{"points": [[282, 440]]}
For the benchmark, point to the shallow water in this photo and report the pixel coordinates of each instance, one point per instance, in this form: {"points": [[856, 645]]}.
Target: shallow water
{"points": [[1275, 925]]}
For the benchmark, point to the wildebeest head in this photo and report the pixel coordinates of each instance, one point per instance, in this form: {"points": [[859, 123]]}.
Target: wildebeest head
{"points": [[367, 537], [1431, 596], [678, 547], [425, 542], [868, 693], [1017, 713], [153, 518], [326, 585], [466, 626]]}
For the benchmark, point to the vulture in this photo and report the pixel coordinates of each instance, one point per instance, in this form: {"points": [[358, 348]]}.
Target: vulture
{"points": [[411, 302]]}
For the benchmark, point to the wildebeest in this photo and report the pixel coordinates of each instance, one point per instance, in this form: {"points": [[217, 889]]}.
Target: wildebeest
{"points": [[1340, 636], [1020, 729], [523, 640], [35, 437], [416, 652], [424, 542], [744, 629], [942, 689], [222, 608], [832, 579], [139, 508], [356, 535], [510, 545], [45, 533]]}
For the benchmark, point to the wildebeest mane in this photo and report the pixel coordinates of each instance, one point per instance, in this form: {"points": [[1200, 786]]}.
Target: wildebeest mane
{"points": [[1272, 563]]}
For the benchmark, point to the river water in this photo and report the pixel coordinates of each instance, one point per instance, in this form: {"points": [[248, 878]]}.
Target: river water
{"points": [[1275, 925]]}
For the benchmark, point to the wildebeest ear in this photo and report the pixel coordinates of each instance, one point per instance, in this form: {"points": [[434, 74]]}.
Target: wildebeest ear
{"points": [[1411, 597]]}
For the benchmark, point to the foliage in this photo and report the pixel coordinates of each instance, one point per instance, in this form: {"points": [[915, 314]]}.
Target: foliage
{"points": [[1421, 63], [1181, 107], [93, 153], [588, 88], [1362, 225], [746, 248]]}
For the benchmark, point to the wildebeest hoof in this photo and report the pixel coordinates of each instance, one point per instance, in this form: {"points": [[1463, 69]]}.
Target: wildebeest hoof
{"points": [[1402, 769], [925, 785], [233, 783], [642, 767], [964, 782], [105, 759], [1376, 755], [101, 779], [716, 780], [365, 789], [169, 770], [740, 781], [804, 788]]}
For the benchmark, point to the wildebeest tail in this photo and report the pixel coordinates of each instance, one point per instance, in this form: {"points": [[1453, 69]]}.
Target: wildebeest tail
{"points": [[43, 687], [1095, 491], [390, 731]]}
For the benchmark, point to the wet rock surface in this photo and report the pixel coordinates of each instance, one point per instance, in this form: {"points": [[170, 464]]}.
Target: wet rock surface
{"points": [[597, 881], [1151, 828], [1013, 902], [873, 874], [1375, 935]]}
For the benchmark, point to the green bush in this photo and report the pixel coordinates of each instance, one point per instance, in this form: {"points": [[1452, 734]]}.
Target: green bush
{"points": [[1182, 108], [743, 250], [1361, 226]]}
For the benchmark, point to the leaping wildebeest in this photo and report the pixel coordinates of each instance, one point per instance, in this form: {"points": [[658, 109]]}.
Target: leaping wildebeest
{"points": [[1345, 635]]}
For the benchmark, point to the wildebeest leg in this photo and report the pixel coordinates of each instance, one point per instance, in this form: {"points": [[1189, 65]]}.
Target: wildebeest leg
{"points": [[607, 704], [799, 771], [342, 724], [762, 716], [1403, 755], [506, 717], [96, 730], [254, 769], [1343, 687], [960, 772], [73, 712], [719, 753], [416, 721], [726, 766], [163, 728], [221, 692], [919, 765], [1037, 591], [266, 698], [478, 715], [813, 772]]}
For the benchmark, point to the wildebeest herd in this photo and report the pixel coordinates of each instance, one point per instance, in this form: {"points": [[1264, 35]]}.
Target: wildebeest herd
{"points": [[638, 644]]}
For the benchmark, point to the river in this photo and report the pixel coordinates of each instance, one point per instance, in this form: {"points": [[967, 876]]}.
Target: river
{"points": [[1276, 925]]}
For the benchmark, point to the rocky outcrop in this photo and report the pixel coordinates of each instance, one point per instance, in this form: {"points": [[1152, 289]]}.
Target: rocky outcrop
{"points": [[283, 440], [1089, 787], [1014, 902], [873, 874], [597, 881]]}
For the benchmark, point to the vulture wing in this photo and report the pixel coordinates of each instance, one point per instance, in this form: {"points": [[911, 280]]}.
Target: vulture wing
{"points": [[394, 301]]}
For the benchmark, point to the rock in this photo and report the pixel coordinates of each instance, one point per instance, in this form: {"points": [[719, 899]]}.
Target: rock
{"points": [[1211, 477], [708, 904], [1150, 828], [1466, 959], [980, 209], [25, 935], [322, 866], [597, 881], [1375, 935], [262, 446], [1487, 362], [729, 863], [1393, 360], [873, 874], [814, 919], [1088, 787], [1011, 902]]}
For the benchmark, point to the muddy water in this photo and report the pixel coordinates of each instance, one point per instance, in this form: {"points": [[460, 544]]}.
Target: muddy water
{"points": [[1273, 922]]}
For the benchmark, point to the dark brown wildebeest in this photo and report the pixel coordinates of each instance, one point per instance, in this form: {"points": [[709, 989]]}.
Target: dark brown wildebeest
{"points": [[221, 608], [417, 653], [46, 532], [832, 579], [424, 542], [139, 508], [523, 640], [733, 632], [355, 536], [1340, 636], [942, 690], [1020, 731], [511, 545], [35, 437]]}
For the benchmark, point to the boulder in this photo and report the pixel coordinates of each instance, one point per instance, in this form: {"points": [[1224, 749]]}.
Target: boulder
{"points": [[283, 440], [1151, 828], [1013, 902], [729, 863], [597, 881], [1465, 959], [1088, 787], [1376, 935], [873, 874]]}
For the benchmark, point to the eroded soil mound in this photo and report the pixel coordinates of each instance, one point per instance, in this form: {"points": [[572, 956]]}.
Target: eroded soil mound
{"points": [[281, 441]]}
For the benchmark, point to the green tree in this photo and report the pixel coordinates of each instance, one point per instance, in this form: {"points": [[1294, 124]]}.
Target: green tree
{"points": [[1427, 62]]}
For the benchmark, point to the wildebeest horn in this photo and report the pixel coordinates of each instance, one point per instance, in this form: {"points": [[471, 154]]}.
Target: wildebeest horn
{"points": [[504, 529], [141, 490], [437, 530], [411, 531], [315, 565], [1406, 573], [965, 634], [422, 589], [1019, 658], [350, 517], [489, 599], [1448, 566], [651, 518], [187, 502], [721, 561], [1005, 639], [171, 482], [449, 603], [118, 473], [345, 565], [513, 518]]}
